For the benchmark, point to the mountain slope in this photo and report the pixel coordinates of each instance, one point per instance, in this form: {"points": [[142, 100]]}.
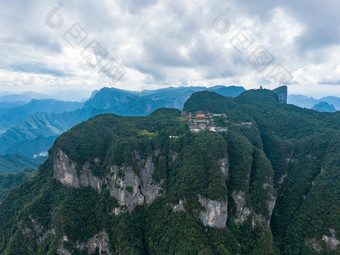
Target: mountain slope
{"points": [[12, 116], [11, 181], [37, 132], [146, 185], [303, 148], [13, 163], [123, 102]]}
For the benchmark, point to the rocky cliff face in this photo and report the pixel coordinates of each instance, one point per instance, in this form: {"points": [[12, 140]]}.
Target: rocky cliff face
{"points": [[98, 244], [66, 172], [134, 185], [281, 92], [215, 213], [224, 166], [126, 188], [130, 189], [242, 211]]}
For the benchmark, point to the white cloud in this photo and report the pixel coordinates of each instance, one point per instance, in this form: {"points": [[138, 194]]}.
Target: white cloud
{"points": [[162, 43]]}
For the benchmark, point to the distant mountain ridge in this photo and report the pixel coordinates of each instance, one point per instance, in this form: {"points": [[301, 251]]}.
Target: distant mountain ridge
{"points": [[324, 107], [124, 102], [25, 96], [38, 131], [309, 102], [14, 115]]}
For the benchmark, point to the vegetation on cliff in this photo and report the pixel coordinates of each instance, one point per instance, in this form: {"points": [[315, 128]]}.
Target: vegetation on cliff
{"points": [[269, 188]]}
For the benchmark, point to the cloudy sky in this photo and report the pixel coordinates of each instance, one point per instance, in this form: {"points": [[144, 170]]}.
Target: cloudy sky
{"points": [[74, 47]]}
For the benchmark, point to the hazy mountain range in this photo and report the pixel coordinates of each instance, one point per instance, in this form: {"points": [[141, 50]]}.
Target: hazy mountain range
{"points": [[32, 127], [310, 102]]}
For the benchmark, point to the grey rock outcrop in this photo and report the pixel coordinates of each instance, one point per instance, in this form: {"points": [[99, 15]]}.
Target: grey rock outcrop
{"points": [[98, 244], [179, 207], [224, 166], [331, 241], [36, 230], [150, 190], [215, 213], [65, 170], [242, 212], [125, 188], [129, 188], [281, 93], [271, 201], [62, 251], [314, 244], [88, 179]]}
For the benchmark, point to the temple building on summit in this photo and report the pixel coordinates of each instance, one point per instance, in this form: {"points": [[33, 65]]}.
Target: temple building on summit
{"points": [[203, 121]]}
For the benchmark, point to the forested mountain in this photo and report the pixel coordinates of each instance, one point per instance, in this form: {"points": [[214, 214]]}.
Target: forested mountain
{"points": [[124, 102], [324, 107], [13, 163], [14, 115], [38, 131], [147, 185], [11, 181], [6, 105]]}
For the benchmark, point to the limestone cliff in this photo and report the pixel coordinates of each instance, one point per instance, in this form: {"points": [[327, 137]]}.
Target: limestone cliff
{"points": [[130, 189], [215, 213], [281, 92]]}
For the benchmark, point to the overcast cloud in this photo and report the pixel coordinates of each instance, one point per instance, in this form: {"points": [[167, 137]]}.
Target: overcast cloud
{"points": [[170, 43]]}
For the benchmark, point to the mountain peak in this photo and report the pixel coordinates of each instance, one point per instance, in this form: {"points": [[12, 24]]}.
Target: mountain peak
{"points": [[324, 107], [281, 92]]}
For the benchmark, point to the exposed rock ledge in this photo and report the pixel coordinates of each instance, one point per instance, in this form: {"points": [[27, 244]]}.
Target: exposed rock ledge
{"points": [[98, 244], [331, 241], [36, 229], [215, 213], [124, 184], [179, 207], [65, 171], [242, 212], [224, 166]]}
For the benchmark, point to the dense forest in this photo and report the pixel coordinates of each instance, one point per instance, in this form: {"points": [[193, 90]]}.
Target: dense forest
{"points": [[11, 181], [147, 185]]}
